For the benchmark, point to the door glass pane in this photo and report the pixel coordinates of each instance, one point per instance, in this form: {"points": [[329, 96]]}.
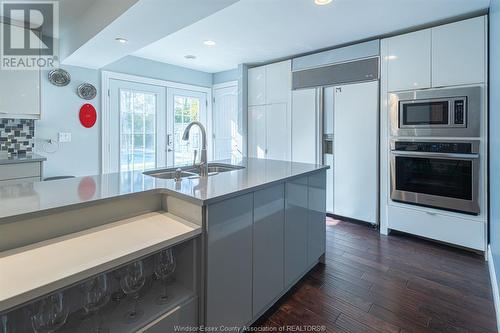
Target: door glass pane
{"points": [[442, 177], [137, 130], [186, 110]]}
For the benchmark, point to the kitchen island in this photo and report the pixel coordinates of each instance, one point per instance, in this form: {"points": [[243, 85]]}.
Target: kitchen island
{"points": [[241, 239]]}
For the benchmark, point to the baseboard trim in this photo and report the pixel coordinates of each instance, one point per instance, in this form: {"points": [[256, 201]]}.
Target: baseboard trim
{"points": [[494, 286], [348, 219]]}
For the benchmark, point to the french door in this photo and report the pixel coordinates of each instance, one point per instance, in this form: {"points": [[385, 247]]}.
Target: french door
{"points": [[146, 123], [137, 126], [183, 107]]}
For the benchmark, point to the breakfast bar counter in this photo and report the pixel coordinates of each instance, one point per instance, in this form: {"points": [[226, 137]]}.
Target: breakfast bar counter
{"points": [[237, 240]]}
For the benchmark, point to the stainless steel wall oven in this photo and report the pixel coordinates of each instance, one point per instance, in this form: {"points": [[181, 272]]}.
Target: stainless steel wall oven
{"points": [[439, 174]]}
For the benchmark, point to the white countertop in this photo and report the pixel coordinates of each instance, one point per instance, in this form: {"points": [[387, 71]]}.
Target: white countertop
{"points": [[20, 200], [41, 268]]}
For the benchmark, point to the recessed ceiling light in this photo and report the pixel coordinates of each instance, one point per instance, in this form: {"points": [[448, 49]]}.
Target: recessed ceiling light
{"points": [[209, 43], [322, 2], [121, 40], [190, 56]]}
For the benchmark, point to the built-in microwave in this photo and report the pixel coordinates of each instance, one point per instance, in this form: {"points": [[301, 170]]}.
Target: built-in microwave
{"points": [[451, 112]]}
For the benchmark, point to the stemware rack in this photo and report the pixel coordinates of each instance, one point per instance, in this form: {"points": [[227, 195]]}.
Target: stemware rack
{"points": [[180, 309]]}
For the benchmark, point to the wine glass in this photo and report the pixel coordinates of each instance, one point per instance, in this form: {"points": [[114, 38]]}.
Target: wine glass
{"points": [[131, 282], [6, 326], [164, 267], [49, 314], [118, 295], [96, 294]]}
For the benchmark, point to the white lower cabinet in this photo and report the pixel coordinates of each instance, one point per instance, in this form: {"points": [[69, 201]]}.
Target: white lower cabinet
{"points": [[21, 170], [229, 262], [268, 224], [296, 215], [442, 227], [316, 243]]}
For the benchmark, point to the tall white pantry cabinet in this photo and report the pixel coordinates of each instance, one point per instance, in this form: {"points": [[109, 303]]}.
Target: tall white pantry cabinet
{"points": [[269, 111], [453, 54]]}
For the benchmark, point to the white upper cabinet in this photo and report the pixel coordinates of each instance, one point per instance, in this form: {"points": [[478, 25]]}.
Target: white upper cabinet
{"points": [[257, 86], [269, 116], [448, 55], [278, 82], [409, 61], [458, 53], [269, 84], [20, 93]]}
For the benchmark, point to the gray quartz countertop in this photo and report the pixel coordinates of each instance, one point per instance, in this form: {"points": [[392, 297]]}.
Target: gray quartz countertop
{"points": [[22, 199], [21, 159]]}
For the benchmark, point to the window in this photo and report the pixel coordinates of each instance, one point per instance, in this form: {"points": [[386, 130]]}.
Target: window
{"points": [[137, 130]]}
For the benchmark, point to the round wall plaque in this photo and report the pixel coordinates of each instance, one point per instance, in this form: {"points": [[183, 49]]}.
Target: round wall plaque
{"points": [[86, 91], [59, 77]]}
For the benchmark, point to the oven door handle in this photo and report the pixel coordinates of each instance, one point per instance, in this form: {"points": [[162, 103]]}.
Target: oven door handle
{"points": [[435, 155]]}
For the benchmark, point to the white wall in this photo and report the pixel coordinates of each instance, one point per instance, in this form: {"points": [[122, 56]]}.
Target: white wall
{"points": [[226, 76], [60, 107], [159, 70]]}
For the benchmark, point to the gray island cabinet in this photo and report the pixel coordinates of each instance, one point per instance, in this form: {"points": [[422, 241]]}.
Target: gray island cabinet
{"points": [[259, 245], [240, 240]]}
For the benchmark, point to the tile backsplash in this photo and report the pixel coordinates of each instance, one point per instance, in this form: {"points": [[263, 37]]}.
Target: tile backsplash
{"points": [[17, 136]]}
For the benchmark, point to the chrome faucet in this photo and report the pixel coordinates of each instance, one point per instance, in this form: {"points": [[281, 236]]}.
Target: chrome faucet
{"points": [[203, 154]]}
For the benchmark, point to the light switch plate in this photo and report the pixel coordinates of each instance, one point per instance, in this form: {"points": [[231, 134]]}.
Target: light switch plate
{"points": [[64, 137]]}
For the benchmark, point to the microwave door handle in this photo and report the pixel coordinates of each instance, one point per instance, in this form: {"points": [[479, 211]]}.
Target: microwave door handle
{"points": [[435, 155]]}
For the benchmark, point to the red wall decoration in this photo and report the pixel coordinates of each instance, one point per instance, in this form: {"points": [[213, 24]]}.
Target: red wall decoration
{"points": [[86, 188], [88, 115]]}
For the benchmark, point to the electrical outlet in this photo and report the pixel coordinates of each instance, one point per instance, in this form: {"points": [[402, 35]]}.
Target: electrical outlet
{"points": [[64, 137]]}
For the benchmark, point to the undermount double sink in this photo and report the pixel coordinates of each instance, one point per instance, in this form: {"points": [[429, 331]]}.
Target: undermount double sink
{"points": [[192, 171]]}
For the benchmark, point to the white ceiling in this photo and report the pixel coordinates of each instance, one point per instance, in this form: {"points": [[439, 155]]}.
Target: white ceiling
{"points": [[142, 23], [252, 31], [69, 10]]}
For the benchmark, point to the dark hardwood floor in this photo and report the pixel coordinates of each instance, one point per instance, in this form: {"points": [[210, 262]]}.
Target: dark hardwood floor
{"points": [[397, 283]]}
